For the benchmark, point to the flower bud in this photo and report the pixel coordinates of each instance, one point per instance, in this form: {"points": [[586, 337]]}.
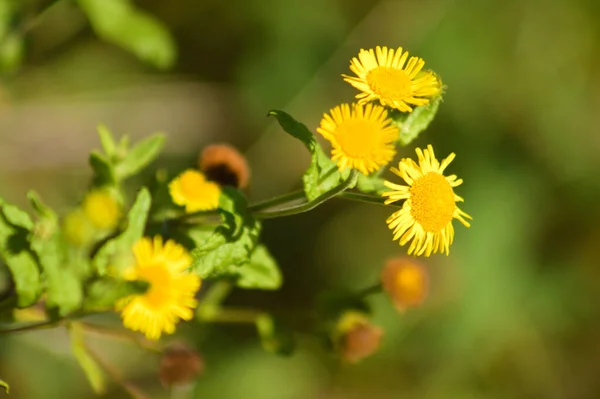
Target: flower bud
{"points": [[406, 282], [179, 365], [77, 228], [355, 337], [102, 209], [224, 165]]}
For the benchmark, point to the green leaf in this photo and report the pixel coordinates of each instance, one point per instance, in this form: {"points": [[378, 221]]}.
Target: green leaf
{"points": [[90, 367], [117, 251], [4, 385], [17, 254], [295, 129], [63, 285], [323, 174], [233, 240], [140, 156], [108, 142], [121, 23], [103, 293], [261, 272], [104, 173], [371, 184], [413, 123], [275, 338]]}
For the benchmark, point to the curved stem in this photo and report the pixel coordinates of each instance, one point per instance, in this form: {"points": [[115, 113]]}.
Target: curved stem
{"points": [[280, 199], [366, 198], [33, 326], [307, 206], [374, 289]]}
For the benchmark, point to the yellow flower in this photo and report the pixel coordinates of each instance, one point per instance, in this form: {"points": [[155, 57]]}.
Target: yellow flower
{"points": [[426, 215], [170, 295], [192, 190], [406, 282], [385, 75], [362, 136], [78, 228], [101, 208]]}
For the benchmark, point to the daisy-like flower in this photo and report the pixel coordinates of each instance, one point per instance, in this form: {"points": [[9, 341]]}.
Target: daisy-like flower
{"points": [[383, 74], [362, 136], [426, 215], [170, 295], [192, 190]]}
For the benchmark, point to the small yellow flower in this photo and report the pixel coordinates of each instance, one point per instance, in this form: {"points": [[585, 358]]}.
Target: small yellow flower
{"points": [[192, 190], [78, 228], [383, 74], [101, 208], [170, 295], [406, 282], [362, 136], [426, 215]]}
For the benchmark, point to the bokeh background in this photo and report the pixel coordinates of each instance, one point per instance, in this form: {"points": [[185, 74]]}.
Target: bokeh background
{"points": [[512, 312]]}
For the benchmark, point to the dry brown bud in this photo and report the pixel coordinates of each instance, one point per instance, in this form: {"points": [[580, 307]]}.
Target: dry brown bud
{"points": [[355, 337], [224, 165], [179, 365], [406, 282]]}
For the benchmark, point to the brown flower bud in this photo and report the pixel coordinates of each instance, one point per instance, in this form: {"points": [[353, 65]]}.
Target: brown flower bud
{"points": [[356, 338], [406, 282], [224, 165], [179, 365]]}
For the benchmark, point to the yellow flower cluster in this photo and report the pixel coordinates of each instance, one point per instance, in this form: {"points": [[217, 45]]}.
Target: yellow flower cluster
{"points": [[363, 137]]}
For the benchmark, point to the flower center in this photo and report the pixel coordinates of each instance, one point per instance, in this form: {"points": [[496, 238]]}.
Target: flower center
{"points": [[410, 284], [192, 184], [160, 281], [357, 137], [390, 82], [432, 202]]}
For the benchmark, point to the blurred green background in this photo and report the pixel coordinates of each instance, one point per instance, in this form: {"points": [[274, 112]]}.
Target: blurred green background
{"points": [[512, 312]]}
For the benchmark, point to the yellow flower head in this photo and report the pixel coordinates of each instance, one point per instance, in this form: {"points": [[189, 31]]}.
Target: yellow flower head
{"points": [[426, 215], [170, 295], [192, 190], [101, 208], [362, 136], [385, 75], [406, 282]]}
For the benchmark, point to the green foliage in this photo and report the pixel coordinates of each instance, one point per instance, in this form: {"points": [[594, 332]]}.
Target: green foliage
{"points": [[274, 336], [15, 226], [371, 184], [121, 23], [90, 367], [232, 242], [413, 123], [261, 271], [116, 252], [12, 44], [323, 174], [118, 161], [103, 293]]}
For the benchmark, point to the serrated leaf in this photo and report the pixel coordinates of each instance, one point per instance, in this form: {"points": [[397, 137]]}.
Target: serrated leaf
{"points": [[90, 367], [140, 156], [16, 252], [103, 170], [121, 23], [274, 337], [413, 123], [371, 184], [261, 272], [105, 292], [117, 251], [108, 142], [323, 174], [233, 240], [4, 385]]}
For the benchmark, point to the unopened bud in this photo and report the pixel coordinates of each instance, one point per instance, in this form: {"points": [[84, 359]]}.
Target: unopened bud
{"points": [[356, 337], [179, 365], [406, 282], [224, 165]]}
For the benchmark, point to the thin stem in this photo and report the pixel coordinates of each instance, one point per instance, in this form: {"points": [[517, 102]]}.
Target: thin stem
{"points": [[374, 289], [366, 198], [33, 326], [280, 199], [307, 206], [118, 334], [235, 315]]}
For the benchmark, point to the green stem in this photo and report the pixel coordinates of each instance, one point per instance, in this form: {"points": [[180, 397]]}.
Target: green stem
{"points": [[235, 315], [33, 326], [366, 198], [281, 199], [374, 289], [309, 205]]}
